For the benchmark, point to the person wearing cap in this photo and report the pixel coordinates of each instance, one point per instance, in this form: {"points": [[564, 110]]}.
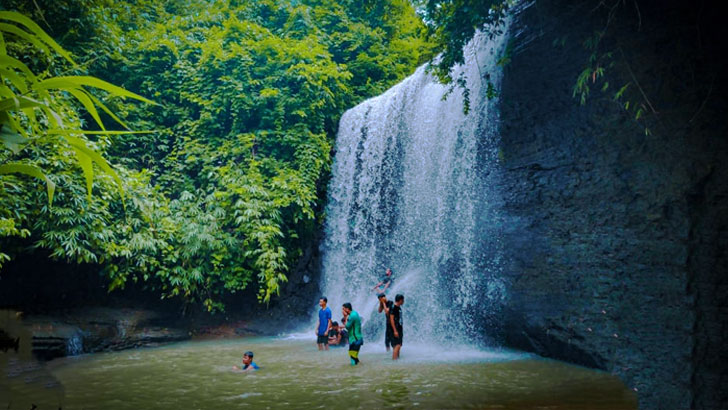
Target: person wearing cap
{"points": [[353, 327], [395, 318], [248, 363], [385, 280], [385, 306]]}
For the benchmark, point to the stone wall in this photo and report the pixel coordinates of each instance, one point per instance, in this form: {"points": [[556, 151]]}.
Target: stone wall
{"points": [[616, 239]]}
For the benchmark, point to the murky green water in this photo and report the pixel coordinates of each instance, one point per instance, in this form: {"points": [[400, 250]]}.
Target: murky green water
{"points": [[198, 375]]}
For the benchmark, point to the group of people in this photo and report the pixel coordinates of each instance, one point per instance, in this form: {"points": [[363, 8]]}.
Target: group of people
{"points": [[330, 333]]}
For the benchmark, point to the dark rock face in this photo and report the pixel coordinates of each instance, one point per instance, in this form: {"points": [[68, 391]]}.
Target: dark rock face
{"points": [[92, 330], [298, 299], [616, 240]]}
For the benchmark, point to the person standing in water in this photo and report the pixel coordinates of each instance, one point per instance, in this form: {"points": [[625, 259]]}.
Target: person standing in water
{"points": [[324, 325], [385, 306], [385, 280], [395, 318], [353, 327]]}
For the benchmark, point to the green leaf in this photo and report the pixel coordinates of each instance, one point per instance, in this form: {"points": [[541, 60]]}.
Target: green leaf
{"points": [[11, 62], [64, 83], [19, 103], [108, 111], [22, 34], [97, 158], [33, 171], [84, 132], [35, 29], [621, 91], [88, 170], [6, 92], [83, 97], [12, 139], [15, 80], [13, 124]]}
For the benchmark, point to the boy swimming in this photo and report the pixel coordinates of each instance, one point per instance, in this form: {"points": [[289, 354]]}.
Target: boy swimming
{"points": [[248, 363]]}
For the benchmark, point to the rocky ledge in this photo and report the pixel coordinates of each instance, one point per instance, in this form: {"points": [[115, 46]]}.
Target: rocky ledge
{"points": [[92, 330]]}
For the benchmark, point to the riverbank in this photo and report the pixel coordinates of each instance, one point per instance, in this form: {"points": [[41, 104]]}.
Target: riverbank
{"points": [[99, 329], [71, 332]]}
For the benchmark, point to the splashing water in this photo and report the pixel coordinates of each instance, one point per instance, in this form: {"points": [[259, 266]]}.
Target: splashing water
{"points": [[413, 189]]}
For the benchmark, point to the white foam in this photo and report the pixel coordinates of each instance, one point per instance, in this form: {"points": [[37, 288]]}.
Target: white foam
{"points": [[411, 189]]}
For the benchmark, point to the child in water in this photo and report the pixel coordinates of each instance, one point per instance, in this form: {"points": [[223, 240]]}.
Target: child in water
{"points": [[248, 363]]}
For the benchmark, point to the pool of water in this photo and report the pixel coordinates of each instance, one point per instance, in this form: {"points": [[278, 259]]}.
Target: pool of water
{"points": [[199, 375]]}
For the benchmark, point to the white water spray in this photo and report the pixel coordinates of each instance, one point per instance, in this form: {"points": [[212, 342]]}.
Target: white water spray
{"points": [[413, 189]]}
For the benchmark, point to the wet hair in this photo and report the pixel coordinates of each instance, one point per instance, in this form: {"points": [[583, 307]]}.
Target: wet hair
{"points": [[348, 306], [248, 353], [398, 298], [381, 295], [324, 299], [334, 323]]}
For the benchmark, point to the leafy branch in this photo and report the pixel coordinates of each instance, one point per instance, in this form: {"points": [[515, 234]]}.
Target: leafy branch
{"points": [[33, 109]]}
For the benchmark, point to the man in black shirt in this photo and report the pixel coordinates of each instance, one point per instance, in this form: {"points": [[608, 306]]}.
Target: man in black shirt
{"points": [[395, 319], [386, 305]]}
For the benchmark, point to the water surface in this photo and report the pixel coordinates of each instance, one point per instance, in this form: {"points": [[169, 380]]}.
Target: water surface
{"points": [[199, 375]]}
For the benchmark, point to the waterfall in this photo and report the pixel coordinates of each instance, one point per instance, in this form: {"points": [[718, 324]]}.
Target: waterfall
{"points": [[413, 189]]}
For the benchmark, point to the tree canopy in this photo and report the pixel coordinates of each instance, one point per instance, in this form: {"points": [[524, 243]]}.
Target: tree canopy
{"points": [[227, 189]]}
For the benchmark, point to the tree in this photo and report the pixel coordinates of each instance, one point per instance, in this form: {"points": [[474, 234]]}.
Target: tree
{"points": [[229, 188], [38, 119]]}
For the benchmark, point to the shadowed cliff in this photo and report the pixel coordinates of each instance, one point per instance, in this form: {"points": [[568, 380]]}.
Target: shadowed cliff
{"points": [[616, 237]]}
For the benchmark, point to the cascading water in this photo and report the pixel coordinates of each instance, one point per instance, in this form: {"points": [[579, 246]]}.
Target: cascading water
{"points": [[412, 189]]}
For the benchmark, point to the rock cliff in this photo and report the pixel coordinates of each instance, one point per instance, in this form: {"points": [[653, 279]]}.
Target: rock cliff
{"points": [[615, 237]]}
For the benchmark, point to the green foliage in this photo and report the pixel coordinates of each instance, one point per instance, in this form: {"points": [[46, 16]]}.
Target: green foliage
{"points": [[452, 23], [250, 99], [38, 121], [603, 59], [230, 184], [33, 171]]}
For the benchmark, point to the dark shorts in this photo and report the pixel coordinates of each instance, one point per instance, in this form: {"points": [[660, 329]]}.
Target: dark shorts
{"points": [[388, 335], [322, 340], [355, 346], [396, 340]]}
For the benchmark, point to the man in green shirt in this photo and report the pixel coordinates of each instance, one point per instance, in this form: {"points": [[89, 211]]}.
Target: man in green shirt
{"points": [[353, 327]]}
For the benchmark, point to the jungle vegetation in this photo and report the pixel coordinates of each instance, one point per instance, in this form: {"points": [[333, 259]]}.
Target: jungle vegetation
{"points": [[218, 174]]}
